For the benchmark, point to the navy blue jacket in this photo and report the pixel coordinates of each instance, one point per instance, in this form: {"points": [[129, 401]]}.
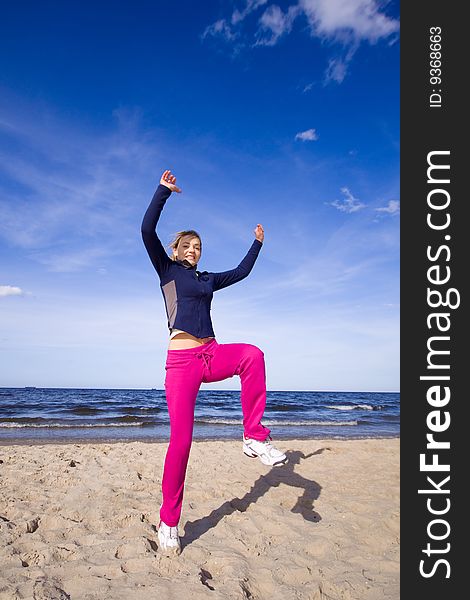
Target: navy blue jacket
{"points": [[187, 292]]}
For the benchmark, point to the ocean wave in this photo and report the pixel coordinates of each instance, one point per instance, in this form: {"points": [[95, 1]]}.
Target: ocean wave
{"points": [[66, 426], [91, 411], [387, 419], [149, 409], [282, 407], [216, 421], [84, 410], [353, 407]]}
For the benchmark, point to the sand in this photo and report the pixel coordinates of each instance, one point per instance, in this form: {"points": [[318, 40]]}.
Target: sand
{"points": [[78, 521]]}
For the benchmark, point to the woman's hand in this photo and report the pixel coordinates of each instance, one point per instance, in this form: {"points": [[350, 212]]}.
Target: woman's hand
{"points": [[259, 233], [170, 181]]}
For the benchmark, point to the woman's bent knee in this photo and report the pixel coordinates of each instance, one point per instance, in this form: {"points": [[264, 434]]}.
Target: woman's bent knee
{"points": [[254, 352]]}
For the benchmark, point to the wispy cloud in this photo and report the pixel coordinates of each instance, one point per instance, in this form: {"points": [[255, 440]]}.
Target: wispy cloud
{"points": [[310, 135], [349, 204], [251, 5], [69, 207], [228, 29], [274, 23], [337, 69], [220, 28], [10, 290], [344, 22], [392, 208], [68, 262]]}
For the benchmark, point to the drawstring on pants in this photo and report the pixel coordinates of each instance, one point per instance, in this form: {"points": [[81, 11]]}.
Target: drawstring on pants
{"points": [[206, 357]]}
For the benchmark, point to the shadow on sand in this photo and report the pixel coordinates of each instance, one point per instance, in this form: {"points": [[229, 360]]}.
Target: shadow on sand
{"points": [[283, 474]]}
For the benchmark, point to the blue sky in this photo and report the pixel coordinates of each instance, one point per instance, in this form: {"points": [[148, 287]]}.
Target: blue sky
{"points": [[280, 113]]}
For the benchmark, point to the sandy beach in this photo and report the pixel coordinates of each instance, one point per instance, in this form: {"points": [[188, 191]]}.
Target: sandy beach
{"points": [[79, 521]]}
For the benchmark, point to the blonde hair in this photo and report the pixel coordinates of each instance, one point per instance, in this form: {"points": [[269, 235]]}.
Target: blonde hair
{"points": [[181, 234]]}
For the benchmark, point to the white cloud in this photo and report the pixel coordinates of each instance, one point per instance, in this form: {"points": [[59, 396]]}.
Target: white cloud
{"points": [[340, 20], [274, 23], [348, 22], [346, 19], [10, 290], [392, 208], [336, 71], [349, 204], [310, 135]]}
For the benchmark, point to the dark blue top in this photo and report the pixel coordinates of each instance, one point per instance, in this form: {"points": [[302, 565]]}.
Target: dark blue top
{"points": [[187, 292]]}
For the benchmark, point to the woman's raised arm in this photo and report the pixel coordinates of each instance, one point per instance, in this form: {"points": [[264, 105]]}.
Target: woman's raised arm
{"points": [[226, 278], [153, 245]]}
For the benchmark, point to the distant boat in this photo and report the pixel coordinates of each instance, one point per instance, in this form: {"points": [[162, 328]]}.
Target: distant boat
{"points": [[30, 387]]}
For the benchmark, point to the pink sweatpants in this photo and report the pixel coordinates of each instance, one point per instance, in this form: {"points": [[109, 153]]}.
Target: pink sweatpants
{"points": [[185, 371]]}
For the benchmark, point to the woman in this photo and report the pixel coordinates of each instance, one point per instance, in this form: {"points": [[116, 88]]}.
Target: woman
{"points": [[194, 356]]}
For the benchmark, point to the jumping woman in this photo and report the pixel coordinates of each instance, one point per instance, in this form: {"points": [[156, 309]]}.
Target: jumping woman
{"points": [[194, 356]]}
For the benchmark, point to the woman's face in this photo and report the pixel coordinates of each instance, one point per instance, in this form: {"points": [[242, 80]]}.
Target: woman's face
{"points": [[189, 248]]}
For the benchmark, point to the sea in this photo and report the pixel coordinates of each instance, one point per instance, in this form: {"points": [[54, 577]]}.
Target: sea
{"points": [[56, 415]]}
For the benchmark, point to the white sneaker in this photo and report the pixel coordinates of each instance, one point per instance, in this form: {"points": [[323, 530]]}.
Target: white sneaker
{"points": [[265, 451], [168, 539]]}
